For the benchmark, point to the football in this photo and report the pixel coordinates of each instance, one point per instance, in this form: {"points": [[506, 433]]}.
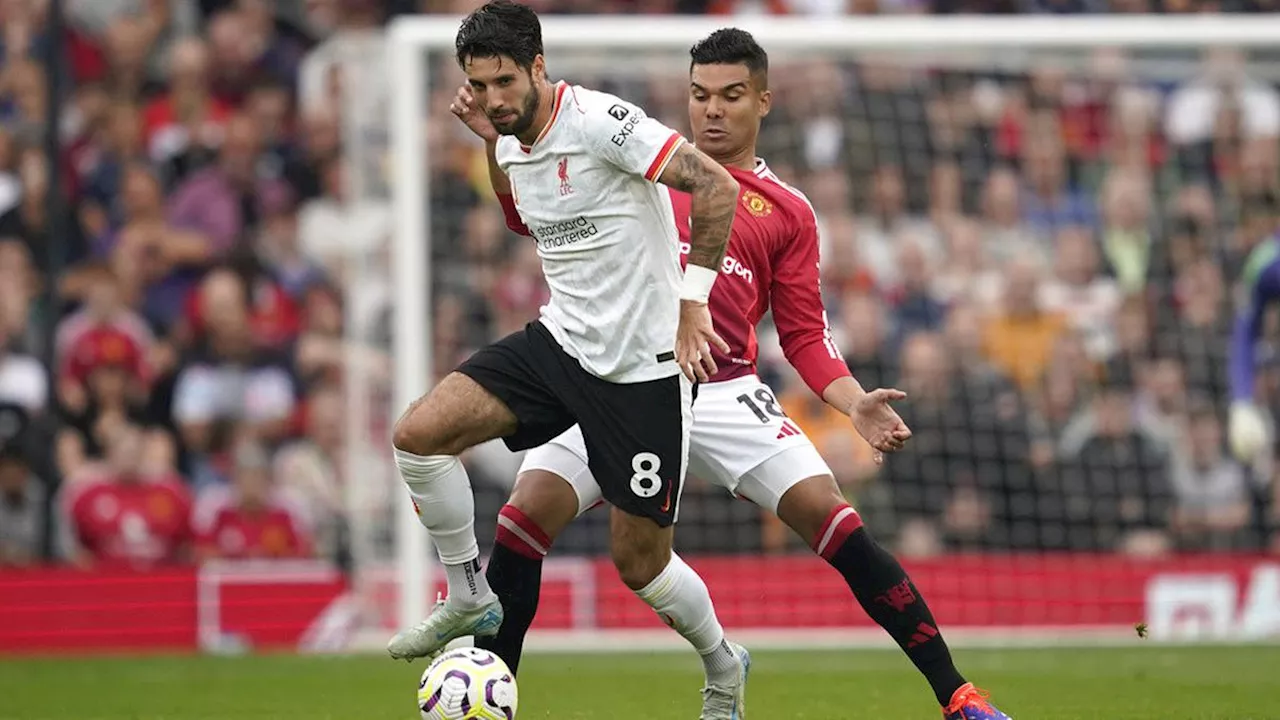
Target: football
{"points": [[467, 684]]}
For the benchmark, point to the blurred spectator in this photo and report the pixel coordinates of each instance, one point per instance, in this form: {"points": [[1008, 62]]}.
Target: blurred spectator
{"points": [[312, 469], [1081, 293], [335, 230], [23, 93], [865, 340], [1004, 234], [1197, 327], [915, 307], [971, 273], [1115, 483], [250, 518], [1020, 338], [1049, 202], [130, 510], [228, 380], [275, 47], [104, 372], [886, 223], [28, 221], [100, 163], [1213, 499], [1127, 242], [151, 257], [224, 199], [1062, 395], [1197, 110], [184, 127]]}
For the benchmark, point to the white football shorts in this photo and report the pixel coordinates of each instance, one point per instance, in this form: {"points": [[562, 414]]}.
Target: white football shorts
{"points": [[741, 440]]}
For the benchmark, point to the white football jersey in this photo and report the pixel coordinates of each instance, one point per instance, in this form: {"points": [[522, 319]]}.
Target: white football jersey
{"points": [[587, 190]]}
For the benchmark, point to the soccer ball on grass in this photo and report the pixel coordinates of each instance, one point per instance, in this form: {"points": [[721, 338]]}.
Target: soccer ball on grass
{"points": [[467, 684]]}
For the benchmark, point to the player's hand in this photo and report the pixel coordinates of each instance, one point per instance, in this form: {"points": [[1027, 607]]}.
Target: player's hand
{"points": [[464, 106], [876, 421], [694, 338], [1247, 431]]}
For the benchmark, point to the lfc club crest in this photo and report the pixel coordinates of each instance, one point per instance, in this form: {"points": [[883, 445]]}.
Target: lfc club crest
{"points": [[563, 173]]}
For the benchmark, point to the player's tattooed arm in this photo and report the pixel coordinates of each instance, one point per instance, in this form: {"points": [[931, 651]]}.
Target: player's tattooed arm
{"points": [[715, 200]]}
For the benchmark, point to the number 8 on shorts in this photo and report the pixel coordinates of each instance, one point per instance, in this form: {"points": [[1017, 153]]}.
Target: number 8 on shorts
{"points": [[645, 482]]}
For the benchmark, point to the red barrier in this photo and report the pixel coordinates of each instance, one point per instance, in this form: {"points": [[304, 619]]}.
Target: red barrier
{"points": [[306, 605]]}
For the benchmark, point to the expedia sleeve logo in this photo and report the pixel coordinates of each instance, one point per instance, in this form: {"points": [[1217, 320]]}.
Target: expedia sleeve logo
{"points": [[633, 118]]}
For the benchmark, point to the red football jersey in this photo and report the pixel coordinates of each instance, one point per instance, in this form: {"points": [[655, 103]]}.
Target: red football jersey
{"points": [[772, 259], [139, 524], [226, 530]]}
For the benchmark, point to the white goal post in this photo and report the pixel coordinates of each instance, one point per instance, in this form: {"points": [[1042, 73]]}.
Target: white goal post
{"points": [[413, 39]]}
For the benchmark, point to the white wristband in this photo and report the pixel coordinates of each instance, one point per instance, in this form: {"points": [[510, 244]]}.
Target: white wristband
{"points": [[697, 283]]}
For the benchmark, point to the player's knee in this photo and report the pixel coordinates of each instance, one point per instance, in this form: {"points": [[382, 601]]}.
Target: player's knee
{"points": [[637, 570], [641, 551], [413, 433], [806, 506], [457, 414], [546, 499]]}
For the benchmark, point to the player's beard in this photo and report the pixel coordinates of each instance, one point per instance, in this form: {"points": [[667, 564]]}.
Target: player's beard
{"points": [[523, 119]]}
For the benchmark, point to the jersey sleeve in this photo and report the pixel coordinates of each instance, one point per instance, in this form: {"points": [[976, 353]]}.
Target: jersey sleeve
{"points": [[1261, 283], [512, 216], [622, 134], [798, 313]]}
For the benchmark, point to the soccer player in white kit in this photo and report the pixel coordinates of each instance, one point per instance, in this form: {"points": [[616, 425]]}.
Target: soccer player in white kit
{"points": [[741, 438], [615, 349]]}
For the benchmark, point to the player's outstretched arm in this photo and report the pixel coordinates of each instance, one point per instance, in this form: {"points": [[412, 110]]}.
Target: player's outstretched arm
{"points": [[715, 201]]}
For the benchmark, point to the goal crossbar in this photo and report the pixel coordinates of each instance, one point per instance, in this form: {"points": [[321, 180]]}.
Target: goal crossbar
{"points": [[1046, 31]]}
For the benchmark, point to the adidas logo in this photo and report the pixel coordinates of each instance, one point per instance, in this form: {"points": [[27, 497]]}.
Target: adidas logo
{"points": [[788, 429]]}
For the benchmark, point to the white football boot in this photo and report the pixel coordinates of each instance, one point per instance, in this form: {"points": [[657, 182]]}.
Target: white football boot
{"points": [[445, 624], [728, 702]]}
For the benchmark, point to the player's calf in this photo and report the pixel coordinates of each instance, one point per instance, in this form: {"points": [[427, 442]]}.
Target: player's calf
{"points": [[875, 577], [541, 506], [643, 556]]}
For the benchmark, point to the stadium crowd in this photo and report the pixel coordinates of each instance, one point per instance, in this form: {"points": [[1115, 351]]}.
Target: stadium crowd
{"points": [[1043, 261]]}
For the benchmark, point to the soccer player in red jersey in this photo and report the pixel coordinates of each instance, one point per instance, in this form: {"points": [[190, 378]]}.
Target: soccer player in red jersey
{"points": [[741, 439]]}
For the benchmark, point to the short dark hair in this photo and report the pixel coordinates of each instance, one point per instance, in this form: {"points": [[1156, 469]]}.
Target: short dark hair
{"points": [[731, 46], [500, 27]]}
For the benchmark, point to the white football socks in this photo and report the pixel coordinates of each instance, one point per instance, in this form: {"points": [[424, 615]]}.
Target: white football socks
{"points": [[441, 493], [682, 600]]}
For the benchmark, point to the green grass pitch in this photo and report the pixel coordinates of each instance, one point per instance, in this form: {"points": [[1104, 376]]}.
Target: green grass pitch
{"points": [[1150, 682]]}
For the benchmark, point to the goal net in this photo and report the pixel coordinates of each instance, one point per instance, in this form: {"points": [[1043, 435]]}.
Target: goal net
{"points": [[1033, 226]]}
